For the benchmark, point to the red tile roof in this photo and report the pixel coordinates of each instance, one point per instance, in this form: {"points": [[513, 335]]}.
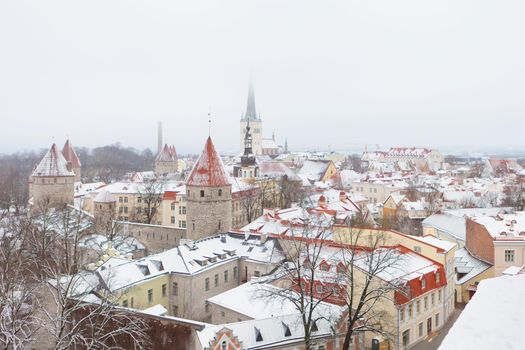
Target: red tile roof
{"points": [[208, 170], [70, 155]]}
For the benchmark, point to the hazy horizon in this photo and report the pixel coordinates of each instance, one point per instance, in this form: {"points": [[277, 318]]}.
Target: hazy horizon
{"points": [[332, 75]]}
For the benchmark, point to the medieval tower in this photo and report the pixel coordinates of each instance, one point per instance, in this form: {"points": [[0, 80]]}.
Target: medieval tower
{"points": [[255, 124], [51, 185], [166, 161], [104, 212], [72, 159], [209, 196]]}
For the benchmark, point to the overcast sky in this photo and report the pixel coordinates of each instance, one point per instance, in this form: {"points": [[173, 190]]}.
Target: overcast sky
{"points": [[327, 73]]}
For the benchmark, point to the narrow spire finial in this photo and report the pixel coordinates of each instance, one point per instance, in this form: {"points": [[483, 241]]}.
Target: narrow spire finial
{"points": [[209, 124]]}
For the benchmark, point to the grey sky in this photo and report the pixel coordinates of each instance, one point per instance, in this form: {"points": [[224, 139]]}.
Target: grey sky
{"points": [[340, 73]]}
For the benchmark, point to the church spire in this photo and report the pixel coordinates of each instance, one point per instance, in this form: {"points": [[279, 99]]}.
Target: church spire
{"points": [[251, 113]]}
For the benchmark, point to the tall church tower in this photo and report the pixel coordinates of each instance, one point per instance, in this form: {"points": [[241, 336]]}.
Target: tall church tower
{"points": [[255, 123], [248, 167], [209, 196]]}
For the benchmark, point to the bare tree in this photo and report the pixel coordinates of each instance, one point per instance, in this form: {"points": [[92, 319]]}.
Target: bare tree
{"points": [[367, 259], [16, 286], [251, 203], [151, 193], [76, 309], [515, 194], [299, 272], [290, 191]]}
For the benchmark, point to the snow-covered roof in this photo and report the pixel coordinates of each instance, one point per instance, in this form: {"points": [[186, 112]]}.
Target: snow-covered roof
{"points": [[493, 319], [451, 224], [209, 169], [255, 300], [272, 317], [272, 331], [404, 266], [313, 170], [436, 242], [167, 154], [82, 190], [275, 169], [193, 257], [504, 226], [408, 152], [468, 266], [156, 310], [104, 197], [53, 164]]}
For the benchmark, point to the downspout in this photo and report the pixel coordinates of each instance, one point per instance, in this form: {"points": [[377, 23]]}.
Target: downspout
{"points": [[397, 341]]}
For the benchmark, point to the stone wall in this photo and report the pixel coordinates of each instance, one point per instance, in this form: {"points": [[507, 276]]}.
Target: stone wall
{"points": [[156, 238], [51, 191], [209, 214]]}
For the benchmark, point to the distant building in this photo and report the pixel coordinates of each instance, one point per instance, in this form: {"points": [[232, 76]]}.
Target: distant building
{"points": [[166, 161], [260, 145], [51, 185]]}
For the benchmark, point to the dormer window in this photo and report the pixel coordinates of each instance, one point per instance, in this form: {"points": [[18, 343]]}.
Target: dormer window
{"points": [[437, 278], [287, 332], [423, 283], [258, 335], [324, 266]]}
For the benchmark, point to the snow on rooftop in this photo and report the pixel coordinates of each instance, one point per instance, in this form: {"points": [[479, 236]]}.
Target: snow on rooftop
{"points": [[53, 164], [467, 266], [493, 319], [255, 300], [436, 242], [156, 310], [504, 225]]}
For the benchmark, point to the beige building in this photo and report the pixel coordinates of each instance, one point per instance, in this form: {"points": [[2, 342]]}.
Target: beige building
{"points": [[183, 278], [51, 183], [166, 161]]}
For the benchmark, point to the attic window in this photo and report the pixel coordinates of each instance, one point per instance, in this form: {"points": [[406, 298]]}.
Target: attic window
{"points": [[287, 332], [158, 264], [202, 262], [144, 269], [423, 283], [258, 335]]}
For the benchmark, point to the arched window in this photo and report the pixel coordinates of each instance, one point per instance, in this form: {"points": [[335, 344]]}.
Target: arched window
{"points": [[223, 345]]}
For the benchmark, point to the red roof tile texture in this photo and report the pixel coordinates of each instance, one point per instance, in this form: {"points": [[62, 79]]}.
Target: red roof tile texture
{"points": [[208, 170]]}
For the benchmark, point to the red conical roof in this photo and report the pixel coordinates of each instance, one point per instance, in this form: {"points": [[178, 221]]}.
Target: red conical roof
{"points": [[70, 155], [208, 170]]}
